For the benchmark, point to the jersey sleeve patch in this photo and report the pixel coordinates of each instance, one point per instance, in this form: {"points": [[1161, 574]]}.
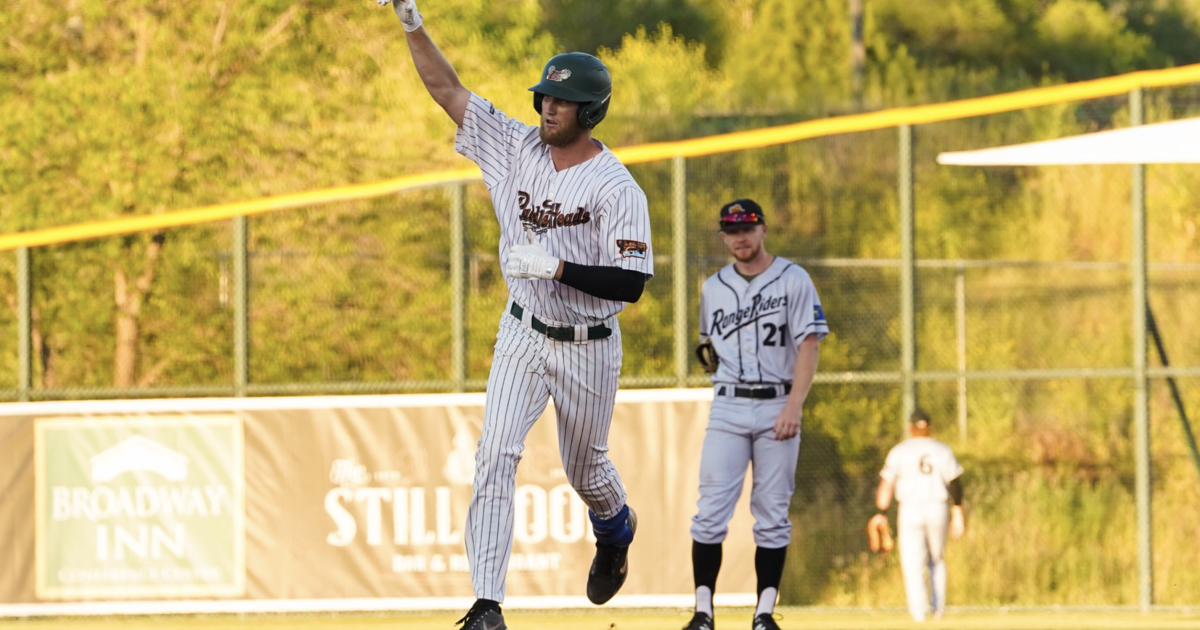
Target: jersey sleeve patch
{"points": [[818, 313], [631, 249]]}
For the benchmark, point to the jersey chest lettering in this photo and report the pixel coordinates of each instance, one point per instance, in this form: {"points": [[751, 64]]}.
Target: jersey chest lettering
{"points": [[548, 215], [726, 323]]}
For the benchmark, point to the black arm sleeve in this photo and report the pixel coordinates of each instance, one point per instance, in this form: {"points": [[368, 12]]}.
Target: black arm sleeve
{"points": [[956, 491], [608, 283]]}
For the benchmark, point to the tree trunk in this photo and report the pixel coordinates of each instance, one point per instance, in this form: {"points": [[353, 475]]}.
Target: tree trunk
{"points": [[39, 344], [43, 350], [858, 53], [129, 297]]}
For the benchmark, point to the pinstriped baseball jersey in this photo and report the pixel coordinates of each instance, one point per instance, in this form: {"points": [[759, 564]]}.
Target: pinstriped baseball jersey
{"points": [[755, 326], [593, 213]]}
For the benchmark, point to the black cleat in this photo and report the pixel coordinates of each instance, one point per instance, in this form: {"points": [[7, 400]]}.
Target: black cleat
{"points": [[609, 568], [484, 615], [765, 622], [700, 621]]}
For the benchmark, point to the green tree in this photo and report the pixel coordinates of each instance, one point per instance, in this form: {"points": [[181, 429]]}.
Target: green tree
{"points": [[785, 55], [661, 84], [1082, 40], [588, 26]]}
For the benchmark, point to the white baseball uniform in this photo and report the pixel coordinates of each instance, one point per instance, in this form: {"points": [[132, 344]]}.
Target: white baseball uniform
{"points": [[593, 213], [922, 469], [756, 328]]}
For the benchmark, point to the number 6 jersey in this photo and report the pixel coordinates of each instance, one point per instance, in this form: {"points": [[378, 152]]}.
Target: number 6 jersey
{"points": [[922, 468]]}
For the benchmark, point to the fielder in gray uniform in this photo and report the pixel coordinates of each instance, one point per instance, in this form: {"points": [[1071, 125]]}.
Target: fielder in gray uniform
{"points": [[924, 475], [761, 324], [575, 248]]}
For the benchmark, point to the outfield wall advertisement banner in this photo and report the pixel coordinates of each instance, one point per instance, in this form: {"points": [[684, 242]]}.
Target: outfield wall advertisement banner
{"points": [[139, 507], [322, 499]]}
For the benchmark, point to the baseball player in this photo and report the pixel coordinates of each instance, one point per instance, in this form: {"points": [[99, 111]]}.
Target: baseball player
{"points": [[761, 324], [924, 475], [575, 247]]}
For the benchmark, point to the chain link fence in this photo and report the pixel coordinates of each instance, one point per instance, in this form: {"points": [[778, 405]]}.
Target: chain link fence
{"points": [[1022, 340]]}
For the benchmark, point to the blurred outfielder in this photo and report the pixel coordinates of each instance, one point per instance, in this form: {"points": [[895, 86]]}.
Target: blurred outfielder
{"points": [[924, 475], [761, 324], [575, 248]]}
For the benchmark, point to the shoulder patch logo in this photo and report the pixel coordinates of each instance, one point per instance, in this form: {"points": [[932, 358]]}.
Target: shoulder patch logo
{"points": [[632, 249], [818, 313], [557, 75]]}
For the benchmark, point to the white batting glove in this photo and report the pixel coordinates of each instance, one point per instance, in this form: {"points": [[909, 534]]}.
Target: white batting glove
{"points": [[406, 10], [531, 261]]}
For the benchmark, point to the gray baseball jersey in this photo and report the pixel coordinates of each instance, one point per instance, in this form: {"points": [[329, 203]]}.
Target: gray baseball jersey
{"points": [[593, 213], [756, 328], [922, 469]]}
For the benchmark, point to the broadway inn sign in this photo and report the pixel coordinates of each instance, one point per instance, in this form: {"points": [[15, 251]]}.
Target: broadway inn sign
{"points": [[139, 507]]}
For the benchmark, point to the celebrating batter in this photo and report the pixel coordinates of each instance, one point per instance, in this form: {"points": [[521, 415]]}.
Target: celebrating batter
{"points": [[924, 475], [575, 247], [761, 325]]}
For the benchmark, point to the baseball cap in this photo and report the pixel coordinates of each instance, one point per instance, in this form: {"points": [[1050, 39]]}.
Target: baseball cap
{"points": [[919, 415], [740, 213]]}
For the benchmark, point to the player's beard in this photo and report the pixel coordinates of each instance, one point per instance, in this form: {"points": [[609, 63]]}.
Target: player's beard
{"points": [[567, 133], [748, 255]]}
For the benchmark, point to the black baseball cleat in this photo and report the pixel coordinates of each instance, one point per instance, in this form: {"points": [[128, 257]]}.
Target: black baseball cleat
{"points": [[484, 615], [609, 568], [765, 622], [700, 621]]}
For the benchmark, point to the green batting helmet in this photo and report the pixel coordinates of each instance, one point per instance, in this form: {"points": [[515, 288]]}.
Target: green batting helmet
{"points": [[579, 78]]}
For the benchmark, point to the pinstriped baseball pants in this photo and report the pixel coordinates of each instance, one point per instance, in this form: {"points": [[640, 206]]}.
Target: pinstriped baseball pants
{"points": [[527, 370]]}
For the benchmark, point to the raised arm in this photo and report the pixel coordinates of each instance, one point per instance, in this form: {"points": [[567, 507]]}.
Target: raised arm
{"points": [[436, 73]]}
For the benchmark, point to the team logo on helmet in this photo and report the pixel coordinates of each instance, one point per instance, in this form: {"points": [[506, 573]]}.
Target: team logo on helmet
{"points": [[557, 75]]}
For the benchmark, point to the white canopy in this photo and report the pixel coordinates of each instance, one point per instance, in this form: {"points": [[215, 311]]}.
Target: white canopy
{"points": [[1175, 142]]}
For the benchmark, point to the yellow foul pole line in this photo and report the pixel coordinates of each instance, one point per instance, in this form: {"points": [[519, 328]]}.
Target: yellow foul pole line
{"points": [[918, 115], [208, 214], [723, 143]]}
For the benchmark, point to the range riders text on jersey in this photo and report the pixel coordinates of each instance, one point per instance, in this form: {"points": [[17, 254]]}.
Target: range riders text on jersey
{"points": [[725, 324], [756, 325], [586, 214]]}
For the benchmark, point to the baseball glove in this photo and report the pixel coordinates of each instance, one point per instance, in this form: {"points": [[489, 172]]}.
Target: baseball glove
{"points": [[879, 534], [707, 355]]}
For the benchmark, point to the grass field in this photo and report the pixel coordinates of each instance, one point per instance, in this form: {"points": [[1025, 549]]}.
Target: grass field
{"points": [[792, 618]]}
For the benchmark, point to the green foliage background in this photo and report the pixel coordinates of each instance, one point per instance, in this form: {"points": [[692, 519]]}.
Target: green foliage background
{"points": [[133, 107]]}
